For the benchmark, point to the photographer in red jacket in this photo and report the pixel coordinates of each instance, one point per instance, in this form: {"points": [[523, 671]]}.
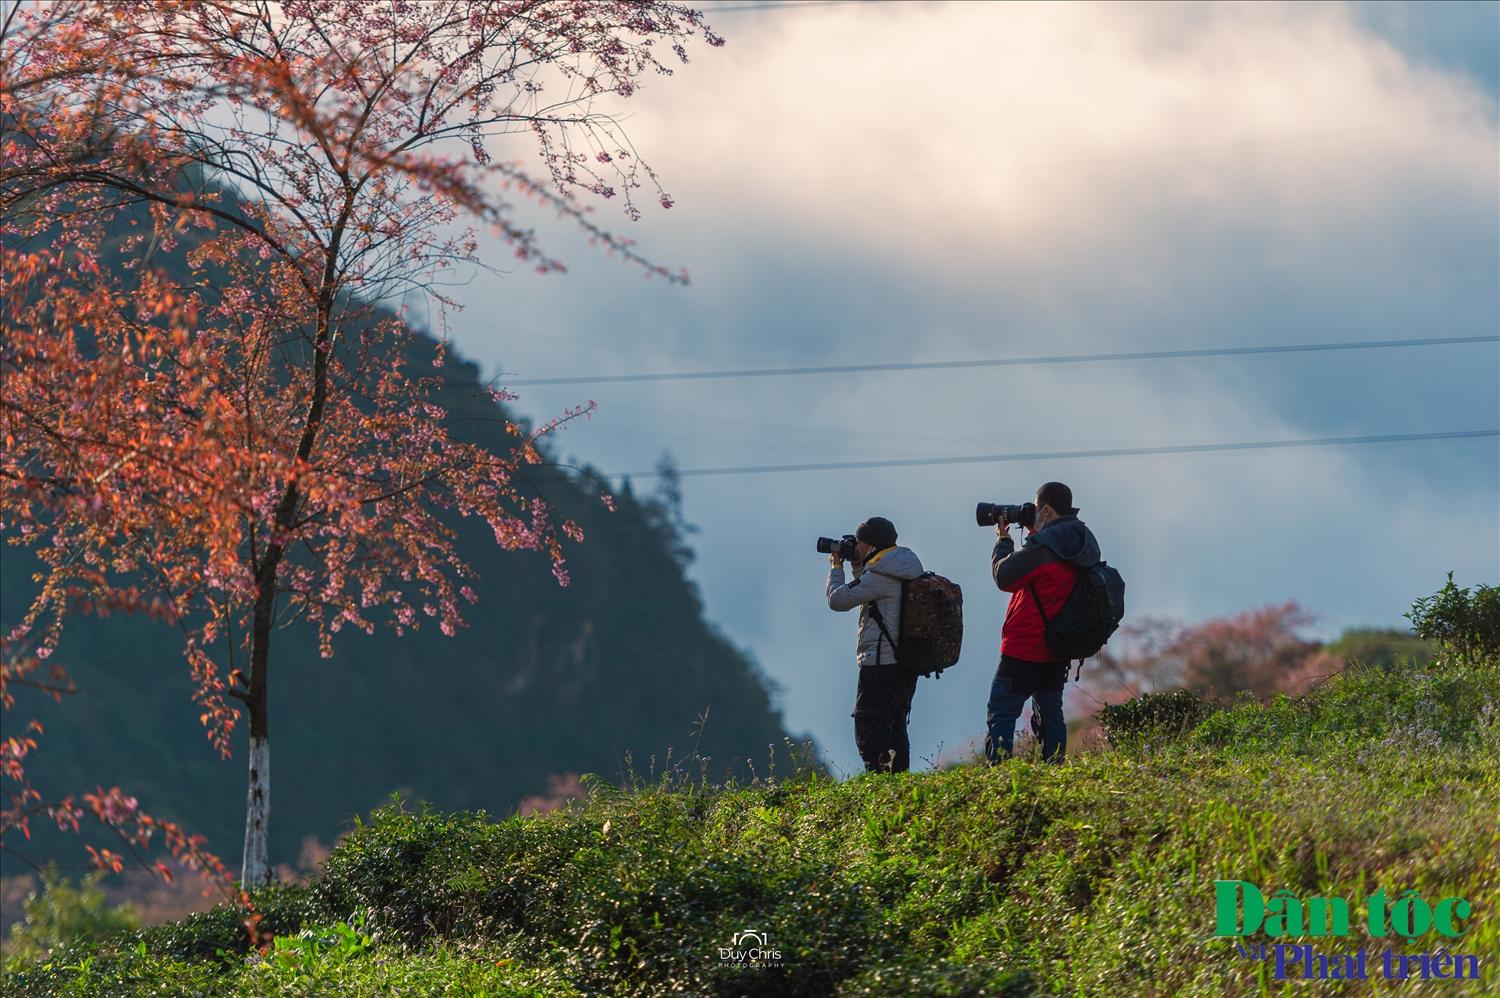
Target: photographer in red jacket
{"points": [[1039, 578]]}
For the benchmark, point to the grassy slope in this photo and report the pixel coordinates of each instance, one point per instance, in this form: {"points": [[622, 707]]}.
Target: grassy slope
{"points": [[1092, 879]]}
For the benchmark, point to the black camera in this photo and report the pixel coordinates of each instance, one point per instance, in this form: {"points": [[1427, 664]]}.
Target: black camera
{"points": [[844, 546], [988, 514]]}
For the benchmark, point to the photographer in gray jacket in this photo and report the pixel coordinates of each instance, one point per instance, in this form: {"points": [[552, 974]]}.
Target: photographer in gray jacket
{"points": [[882, 701]]}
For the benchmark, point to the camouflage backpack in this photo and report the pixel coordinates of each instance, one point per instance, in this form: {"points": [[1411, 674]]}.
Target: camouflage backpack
{"points": [[932, 625]]}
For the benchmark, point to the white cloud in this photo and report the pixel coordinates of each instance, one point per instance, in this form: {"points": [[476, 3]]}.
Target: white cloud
{"points": [[1027, 137]]}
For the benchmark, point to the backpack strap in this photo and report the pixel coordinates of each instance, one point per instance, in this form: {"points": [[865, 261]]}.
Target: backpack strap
{"points": [[880, 623], [1045, 621], [1031, 588]]}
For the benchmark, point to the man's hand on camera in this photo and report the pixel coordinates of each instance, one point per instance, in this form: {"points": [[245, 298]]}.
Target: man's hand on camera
{"points": [[835, 560], [1002, 529]]}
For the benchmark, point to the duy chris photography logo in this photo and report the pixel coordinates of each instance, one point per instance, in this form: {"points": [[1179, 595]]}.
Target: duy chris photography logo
{"points": [[751, 948]]}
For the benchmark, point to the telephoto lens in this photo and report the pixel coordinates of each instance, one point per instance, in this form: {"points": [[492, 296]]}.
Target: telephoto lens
{"points": [[988, 514]]}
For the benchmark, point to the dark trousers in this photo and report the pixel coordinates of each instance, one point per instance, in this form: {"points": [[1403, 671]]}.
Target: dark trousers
{"points": [[1016, 682], [882, 704]]}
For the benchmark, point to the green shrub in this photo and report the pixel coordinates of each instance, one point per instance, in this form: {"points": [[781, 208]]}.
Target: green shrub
{"points": [[1459, 621], [943, 979], [206, 934], [441, 970], [418, 874], [444, 969], [1408, 708], [90, 971], [1160, 716], [61, 912], [317, 949], [631, 887]]}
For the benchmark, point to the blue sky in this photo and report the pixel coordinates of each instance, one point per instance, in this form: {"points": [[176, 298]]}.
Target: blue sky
{"points": [[912, 182]]}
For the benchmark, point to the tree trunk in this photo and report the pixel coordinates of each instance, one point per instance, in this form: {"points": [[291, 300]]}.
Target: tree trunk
{"points": [[255, 868]]}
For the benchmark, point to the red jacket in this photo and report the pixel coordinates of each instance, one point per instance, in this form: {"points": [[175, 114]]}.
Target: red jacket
{"points": [[1050, 562]]}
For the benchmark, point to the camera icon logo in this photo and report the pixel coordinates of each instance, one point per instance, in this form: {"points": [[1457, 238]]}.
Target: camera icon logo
{"points": [[747, 938]]}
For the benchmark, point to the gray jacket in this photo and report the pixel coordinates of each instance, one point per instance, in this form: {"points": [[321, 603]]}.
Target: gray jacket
{"points": [[879, 583]]}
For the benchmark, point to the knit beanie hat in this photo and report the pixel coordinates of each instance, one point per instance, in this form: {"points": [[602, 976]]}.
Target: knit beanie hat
{"points": [[877, 531]]}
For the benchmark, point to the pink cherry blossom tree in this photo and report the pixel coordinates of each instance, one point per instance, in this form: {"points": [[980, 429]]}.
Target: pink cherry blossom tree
{"points": [[209, 411]]}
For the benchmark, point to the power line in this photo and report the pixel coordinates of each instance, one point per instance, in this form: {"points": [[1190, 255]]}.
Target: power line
{"points": [[1064, 455], [777, 372]]}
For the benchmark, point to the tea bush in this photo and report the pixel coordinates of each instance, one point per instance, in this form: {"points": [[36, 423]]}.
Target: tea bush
{"points": [[1160, 716]]}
